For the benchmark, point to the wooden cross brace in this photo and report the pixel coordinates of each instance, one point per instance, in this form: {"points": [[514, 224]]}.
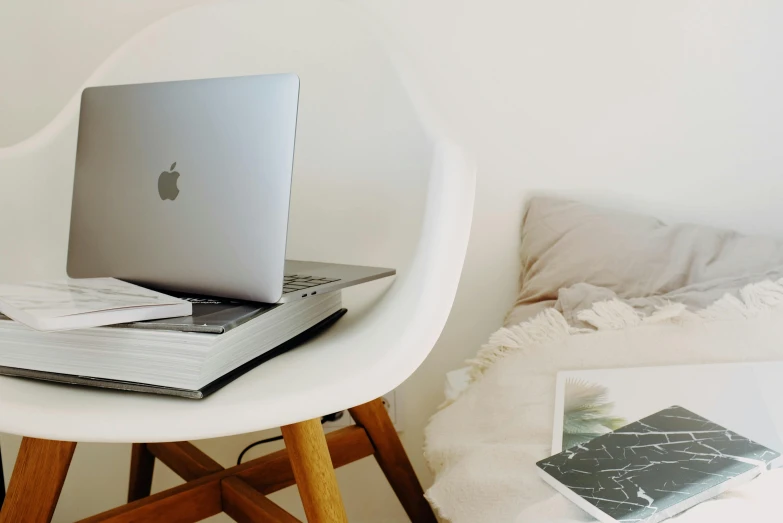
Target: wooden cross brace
{"points": [[241, 491]]}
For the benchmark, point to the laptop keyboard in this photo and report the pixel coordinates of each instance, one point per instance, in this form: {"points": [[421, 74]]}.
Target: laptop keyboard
{"points": [[298, 282]]}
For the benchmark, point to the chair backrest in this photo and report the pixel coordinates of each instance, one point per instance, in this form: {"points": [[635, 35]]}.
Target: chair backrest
{"points": [[369, 157]]}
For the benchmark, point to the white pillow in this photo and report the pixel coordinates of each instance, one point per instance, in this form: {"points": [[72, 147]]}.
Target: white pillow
{"points": [[565, 243]]}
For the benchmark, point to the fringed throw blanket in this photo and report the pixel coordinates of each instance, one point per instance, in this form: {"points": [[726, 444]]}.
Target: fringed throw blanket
{"points": [[483, 447]]}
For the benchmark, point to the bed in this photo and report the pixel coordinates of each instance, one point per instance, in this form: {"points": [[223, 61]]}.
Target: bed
{"points": [[599, 289]]}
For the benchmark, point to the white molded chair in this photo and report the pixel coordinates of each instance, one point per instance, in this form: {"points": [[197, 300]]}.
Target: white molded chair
{"points": [[365, 142]]}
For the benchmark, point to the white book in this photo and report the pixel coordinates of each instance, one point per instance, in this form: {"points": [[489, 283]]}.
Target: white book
{"points": [[173, 357], [69, 304], [741, 396]]}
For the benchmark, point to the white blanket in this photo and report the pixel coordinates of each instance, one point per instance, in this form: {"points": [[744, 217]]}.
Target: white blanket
{"points": [[483, 447]]}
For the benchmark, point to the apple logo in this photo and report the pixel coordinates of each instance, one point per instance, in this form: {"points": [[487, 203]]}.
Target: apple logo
{"points": [[167, 184]]}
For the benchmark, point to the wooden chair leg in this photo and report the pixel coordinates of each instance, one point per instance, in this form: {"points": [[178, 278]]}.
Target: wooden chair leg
{"points": [[37, 479], [314, 473], [393, 460], [141, 469]]}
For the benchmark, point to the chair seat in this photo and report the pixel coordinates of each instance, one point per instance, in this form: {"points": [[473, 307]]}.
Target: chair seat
{"points": [[328, 374]]}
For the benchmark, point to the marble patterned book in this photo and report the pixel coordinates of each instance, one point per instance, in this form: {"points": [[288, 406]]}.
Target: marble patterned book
{"points": [[82, 303], [655, 468]]}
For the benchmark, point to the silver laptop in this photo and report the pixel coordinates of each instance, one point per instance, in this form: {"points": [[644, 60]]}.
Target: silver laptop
{"points": [[186, 186]]}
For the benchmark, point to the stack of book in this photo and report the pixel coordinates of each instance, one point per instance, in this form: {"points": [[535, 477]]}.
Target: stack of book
{"points": [[673, 457], [655, 468], [211, 342]]}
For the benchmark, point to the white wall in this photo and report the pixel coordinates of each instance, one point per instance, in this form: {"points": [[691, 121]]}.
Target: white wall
{"points": [[48, 48], [670, 107]]}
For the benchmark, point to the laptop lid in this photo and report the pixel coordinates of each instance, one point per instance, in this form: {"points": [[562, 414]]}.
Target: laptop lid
{"points": [[186, 185]]}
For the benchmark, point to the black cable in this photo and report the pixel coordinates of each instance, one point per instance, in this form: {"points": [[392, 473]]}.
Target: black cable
{"points": [[2, 483], [267, 440], [324, 419]]}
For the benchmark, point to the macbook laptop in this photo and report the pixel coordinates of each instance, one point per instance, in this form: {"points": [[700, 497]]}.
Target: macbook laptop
{"points": [[186, 186]]}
